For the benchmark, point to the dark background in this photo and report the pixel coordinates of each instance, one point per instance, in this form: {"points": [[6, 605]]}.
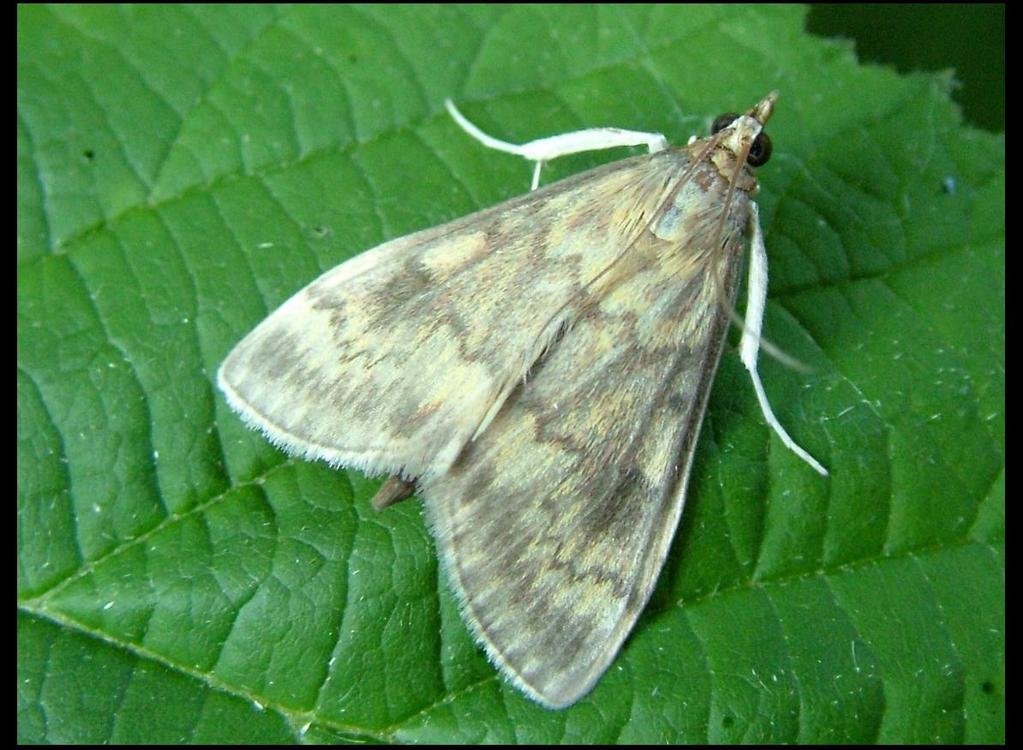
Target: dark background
{"points": [[969, 39]]}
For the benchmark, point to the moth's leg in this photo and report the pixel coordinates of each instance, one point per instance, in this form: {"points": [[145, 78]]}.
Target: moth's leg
{"points": [[544, 149], [749, 347], [392, 491]]}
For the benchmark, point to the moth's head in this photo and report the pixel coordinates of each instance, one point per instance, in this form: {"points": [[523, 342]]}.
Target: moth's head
{"points": [[737, 144], [744, 134]]}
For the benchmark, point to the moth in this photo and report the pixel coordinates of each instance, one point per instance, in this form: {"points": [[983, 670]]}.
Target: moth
{"points": [[537, 374]]}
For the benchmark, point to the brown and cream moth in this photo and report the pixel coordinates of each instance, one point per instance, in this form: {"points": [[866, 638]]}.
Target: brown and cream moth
{"points": [[537, 373]]}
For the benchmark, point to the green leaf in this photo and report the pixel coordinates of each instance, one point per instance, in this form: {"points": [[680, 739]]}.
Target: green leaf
{"points": [[184, 169]]}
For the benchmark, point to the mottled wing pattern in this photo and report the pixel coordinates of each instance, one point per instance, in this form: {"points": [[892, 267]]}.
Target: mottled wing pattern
{"points": [[394, 360], [552, 564]]}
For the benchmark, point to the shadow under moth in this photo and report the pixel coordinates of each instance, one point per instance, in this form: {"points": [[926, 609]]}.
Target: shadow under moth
{"points": [[537, 373]]}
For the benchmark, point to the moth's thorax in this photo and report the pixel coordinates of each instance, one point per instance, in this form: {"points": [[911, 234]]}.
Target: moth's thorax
{"points": [[712, 200], [694, 213], [727, 164]]}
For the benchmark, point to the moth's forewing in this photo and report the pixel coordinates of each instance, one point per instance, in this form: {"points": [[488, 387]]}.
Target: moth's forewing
{"points": [[393, 361]]}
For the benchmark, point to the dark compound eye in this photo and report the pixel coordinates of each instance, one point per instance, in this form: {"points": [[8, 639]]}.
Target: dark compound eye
{"points": [[760, 151], [722, 121]]}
